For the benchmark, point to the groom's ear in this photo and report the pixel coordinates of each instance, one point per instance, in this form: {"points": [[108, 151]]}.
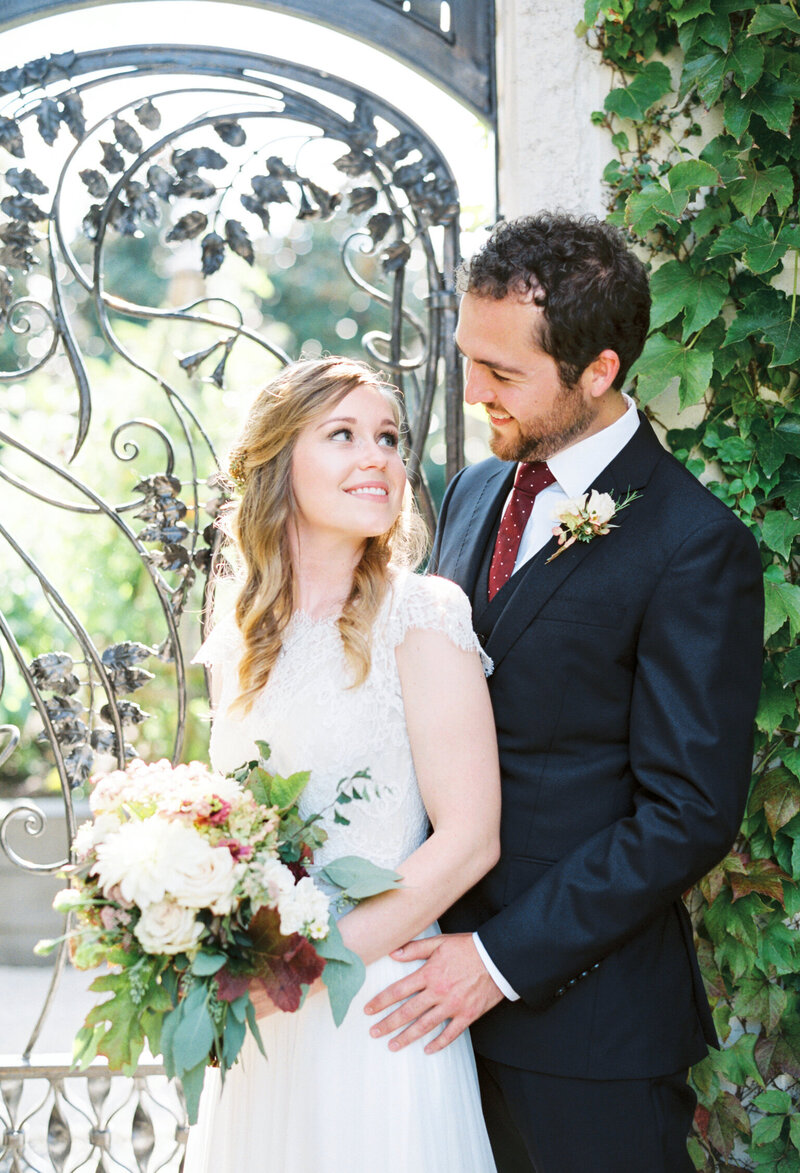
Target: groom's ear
{"points": [[601, 373]]}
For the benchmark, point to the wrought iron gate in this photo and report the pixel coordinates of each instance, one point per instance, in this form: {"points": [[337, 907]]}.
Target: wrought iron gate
{"points": [[145, 186]]}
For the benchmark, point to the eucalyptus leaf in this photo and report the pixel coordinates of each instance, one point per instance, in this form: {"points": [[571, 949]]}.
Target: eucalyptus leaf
{"points": [[359, 878]]}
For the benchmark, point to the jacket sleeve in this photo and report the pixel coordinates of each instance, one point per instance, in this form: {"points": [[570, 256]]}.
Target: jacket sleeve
{"points": [[694, 696], [436, 551]]}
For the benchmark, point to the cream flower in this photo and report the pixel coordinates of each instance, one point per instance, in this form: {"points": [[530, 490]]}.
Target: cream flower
{"points": [[168, 927], [304, 909], [204, 876]]}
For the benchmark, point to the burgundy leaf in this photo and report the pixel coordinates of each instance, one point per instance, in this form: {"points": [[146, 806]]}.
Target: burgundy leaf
{"points": [[283, 965]]}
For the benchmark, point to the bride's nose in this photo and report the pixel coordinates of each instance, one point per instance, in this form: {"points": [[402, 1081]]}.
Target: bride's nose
{"points": [[373, 455]]}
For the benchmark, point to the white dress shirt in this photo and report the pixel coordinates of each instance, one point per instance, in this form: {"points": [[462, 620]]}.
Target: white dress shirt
{"points": [[575, 469]]}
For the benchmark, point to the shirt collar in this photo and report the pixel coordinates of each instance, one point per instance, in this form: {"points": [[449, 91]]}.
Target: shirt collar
{"points": [[576, 467]]}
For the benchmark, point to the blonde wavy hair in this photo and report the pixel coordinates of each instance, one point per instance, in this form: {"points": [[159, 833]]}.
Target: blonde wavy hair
{"points": [[260, 468]]}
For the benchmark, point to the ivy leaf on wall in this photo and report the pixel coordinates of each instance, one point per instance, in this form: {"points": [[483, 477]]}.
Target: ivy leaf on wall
{"points": [[691, 174], [675, 287], [646, 88], [654, 205], [706, 70], [782, 603], [753, 243], [779, 530], [773, 98], [772, 18], [746, 62], [662, 360], [755, 187]]}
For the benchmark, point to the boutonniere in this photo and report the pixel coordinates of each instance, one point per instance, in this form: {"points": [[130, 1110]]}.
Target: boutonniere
{"points": [[589, 516]]}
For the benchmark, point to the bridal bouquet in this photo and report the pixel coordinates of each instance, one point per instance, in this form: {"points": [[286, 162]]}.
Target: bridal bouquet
{"points": [[190, 886]]}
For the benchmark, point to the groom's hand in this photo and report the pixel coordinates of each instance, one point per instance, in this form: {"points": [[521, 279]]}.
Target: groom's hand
{"points": [[452, 984]]}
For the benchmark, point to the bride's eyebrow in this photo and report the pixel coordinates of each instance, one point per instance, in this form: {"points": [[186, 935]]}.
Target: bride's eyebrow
{"points": [[348, 419]]}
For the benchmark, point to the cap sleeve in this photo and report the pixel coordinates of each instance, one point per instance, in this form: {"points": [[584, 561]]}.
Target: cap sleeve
{"points": [[435, 604], [223, 645]]}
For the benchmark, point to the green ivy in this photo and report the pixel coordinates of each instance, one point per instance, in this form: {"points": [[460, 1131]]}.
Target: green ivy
{"points": [[715, 211]]}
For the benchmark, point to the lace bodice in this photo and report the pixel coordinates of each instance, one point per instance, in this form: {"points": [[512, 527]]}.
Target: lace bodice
{"points": [[314, 721]]}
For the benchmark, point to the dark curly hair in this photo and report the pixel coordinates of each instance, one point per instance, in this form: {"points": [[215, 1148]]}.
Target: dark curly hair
{"points": [[592, 288]]}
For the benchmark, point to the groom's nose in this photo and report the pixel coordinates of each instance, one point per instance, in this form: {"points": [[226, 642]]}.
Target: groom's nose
{"points": [[477, 384]]}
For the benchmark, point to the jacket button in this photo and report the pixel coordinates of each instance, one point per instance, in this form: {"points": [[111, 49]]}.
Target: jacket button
{"points": [[482, 639]]}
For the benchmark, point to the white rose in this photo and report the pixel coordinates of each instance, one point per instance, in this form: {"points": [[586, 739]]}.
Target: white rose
{"points": [[304, 910], [168, 927], [601, 507], [203, 876], [144, 856], [572, 507]]}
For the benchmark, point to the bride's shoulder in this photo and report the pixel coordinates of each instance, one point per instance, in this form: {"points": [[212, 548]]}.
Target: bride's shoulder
{"points": [[428, 602], [427, 590]]}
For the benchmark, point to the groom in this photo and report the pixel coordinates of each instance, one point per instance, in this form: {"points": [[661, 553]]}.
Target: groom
{"points": [[626, 677]]}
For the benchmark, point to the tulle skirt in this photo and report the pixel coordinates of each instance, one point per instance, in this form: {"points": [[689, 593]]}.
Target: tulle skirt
{"points": [[335, 1100]]}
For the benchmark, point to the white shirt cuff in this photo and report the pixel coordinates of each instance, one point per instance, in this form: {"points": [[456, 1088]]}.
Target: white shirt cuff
{"points": [[494, 972]]}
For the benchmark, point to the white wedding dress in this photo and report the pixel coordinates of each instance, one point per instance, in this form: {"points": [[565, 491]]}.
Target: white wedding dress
{"points": [[328, 1099]]}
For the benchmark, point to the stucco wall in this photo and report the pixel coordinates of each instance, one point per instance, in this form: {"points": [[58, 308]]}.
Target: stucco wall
{"points": [[549, 82]]}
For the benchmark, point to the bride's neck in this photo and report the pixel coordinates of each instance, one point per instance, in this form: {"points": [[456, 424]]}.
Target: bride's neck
{"points": [[323, 576]]}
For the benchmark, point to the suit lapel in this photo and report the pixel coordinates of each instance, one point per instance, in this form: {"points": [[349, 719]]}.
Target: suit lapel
{"points": [[538, 579], [476, 528]]}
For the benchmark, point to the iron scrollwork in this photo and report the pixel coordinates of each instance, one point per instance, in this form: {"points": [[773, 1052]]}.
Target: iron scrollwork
{"points": [[207, 155]]}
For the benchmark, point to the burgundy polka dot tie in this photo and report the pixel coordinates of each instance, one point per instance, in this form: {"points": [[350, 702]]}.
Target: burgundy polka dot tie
{"points": [[530, 480]]}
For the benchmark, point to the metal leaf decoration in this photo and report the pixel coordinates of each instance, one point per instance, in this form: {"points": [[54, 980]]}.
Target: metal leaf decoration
{"points": [[270, 189], [160, 181], [231, 132], [48, 120], [395, 256], [157, 532], [51, 670], [95, 182], [189, 226], [378, 225], [78, 764], [277, 167], [396, 149], [239, 241], [218, 374], [72, 115], [128, 138], [129, 713], [125, 654], [254, 205], [362, 199], [213, 251], [90, 225], [11, 137], [148, 115], [190, 363], [185, 162], [170, 558], [194, 187], [354, 163], [112, 158], [20, 207], [15, 254], [26, 181]]}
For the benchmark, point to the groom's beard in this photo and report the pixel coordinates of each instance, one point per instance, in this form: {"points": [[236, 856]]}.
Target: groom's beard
{"points": [[569, 418]]}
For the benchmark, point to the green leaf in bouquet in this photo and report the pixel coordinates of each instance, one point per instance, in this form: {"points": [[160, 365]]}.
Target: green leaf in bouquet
{"points": [[232, 1038], [168, 1027], [192, 1084], [206, 964], [286, 791], [194, 1035], [343, 974], [84, 1048], [252, 1022], [238, 1007], [282, 964], [264, 751], [123, 1039], [259, 782], [358, 878]]}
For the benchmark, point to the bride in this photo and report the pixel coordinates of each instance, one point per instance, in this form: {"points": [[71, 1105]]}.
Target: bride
{"points": [[341, 658]]}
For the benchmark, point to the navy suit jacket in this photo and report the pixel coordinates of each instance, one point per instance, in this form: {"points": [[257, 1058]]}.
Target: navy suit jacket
{"points": [[626, 678]]}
